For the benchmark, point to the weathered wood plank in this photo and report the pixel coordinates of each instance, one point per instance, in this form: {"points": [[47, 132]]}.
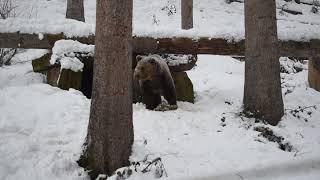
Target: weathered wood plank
{"points": [[143, 45]]}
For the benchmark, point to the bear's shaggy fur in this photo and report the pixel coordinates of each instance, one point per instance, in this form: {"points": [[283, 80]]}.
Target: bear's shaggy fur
{"points": [[154, 79]]}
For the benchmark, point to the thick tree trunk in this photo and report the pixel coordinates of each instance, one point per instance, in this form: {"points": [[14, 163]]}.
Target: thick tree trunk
{"points": [[314, 73], [314, 65], [110, 130], [186, 14], [75, 10], [262, 91]]}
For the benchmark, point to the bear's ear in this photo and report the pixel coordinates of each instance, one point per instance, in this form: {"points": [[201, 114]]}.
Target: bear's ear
{"points": [[138, 58]]}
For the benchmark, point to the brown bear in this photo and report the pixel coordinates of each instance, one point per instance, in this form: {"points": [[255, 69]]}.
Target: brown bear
{"points": [[153, 79]]}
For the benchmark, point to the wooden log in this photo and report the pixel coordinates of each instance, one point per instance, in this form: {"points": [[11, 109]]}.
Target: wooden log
{"points": [[295, 49], [186, 14], [36, 41], [145, 45], [314, 66]]}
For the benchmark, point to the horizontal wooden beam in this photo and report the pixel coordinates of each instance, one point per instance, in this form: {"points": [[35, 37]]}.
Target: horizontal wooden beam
{"points": [[145, 45]]}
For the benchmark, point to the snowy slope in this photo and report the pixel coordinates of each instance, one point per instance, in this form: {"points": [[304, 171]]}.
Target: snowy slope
{"points": [[212, 18], [42, 129]]}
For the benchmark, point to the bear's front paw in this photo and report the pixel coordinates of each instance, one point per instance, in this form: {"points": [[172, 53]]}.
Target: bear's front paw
{"points": [[166, 107]]}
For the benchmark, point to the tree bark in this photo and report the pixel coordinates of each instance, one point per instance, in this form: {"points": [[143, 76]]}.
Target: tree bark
{"points": [[314, 73], [75, 10], [314, 65], [110, 130], [262, 89], [186, 14]]}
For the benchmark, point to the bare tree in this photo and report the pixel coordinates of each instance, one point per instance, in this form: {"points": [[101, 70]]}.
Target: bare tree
{"points": [[110, 130], [262, 91], [7, 8], [75, 10], [6, 54]]}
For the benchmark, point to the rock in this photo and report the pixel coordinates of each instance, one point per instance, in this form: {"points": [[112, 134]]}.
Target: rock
{"points": [[42, 64], [53, 74], [69, 79], [184, 86]]}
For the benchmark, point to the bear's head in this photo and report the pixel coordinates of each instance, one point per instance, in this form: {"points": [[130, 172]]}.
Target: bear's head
{"points": [[147, 68]]}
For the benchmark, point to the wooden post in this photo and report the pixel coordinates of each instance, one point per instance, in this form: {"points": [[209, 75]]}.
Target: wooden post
{"points": [[75, 10], [186, 14], [314, 66]]}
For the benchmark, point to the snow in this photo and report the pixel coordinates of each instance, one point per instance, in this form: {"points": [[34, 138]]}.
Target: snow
{"points": [[41, 36], [42, 129], [175, 60], [213, 19], [63, 53], [39, 126], [73, 64]]}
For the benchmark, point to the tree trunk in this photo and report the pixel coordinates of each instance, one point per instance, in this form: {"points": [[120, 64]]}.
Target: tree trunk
{"points": [[110, 130], [75, 10], [262, 89], [314, 65], [186, 14], [314, 73]]}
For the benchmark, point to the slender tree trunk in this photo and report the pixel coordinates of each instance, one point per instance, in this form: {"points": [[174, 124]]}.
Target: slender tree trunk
{"points": [[314, 73], [110, 130], [186, 14], [262, 91], [75, 10]]}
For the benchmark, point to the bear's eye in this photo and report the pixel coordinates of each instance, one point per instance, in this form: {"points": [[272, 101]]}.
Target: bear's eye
{"points": [[142, 68]]}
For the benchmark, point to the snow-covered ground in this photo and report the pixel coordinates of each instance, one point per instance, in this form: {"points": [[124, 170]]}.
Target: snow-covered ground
{"points": [[161, 18], [42, 128]]}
